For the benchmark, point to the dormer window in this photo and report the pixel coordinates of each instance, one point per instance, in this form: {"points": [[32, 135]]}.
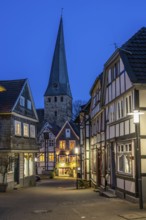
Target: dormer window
{"points": [[22, 101]]}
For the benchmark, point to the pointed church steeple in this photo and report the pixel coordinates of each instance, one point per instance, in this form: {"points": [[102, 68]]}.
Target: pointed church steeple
{"points": [[58, 97], [59, 81]]}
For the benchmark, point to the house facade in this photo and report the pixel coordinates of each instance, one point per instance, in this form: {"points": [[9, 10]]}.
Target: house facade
{"points": [[46, 158], [67, 151], [117, 144], [97, 140], [18, 119]]}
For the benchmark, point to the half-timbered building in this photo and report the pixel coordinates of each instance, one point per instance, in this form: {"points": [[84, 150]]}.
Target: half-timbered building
{"points": [[67, 159], [123, 95]]}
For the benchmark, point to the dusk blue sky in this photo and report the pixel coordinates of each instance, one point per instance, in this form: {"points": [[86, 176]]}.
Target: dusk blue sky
{"points": [[28, 31]]}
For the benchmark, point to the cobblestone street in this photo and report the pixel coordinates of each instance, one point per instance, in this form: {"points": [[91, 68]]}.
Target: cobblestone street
{"points": [[58, 199]]}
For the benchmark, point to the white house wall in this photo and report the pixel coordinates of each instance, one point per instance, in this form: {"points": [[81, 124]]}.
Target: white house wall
{"points": [[143, 124]]}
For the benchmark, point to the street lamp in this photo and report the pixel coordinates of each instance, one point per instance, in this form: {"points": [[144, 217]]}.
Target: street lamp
{"points": [[46, 138], [76, 152], [136, 120], [36, 160]]}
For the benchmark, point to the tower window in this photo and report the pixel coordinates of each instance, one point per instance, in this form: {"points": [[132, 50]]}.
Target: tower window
{"points": [[49, 99], [61, 98], [55, 113], [55, 99]]}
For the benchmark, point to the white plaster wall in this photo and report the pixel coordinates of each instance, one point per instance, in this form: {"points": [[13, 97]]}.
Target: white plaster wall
{"points": [[121, 65], [113, 90], [106, 99], [121, 128], [110, 95], [21, 164], [132, 126], [112, 131], [107, 132], [143, 165], [142, 98], [130, 186], [122, 83], [117, 87], [117, 130], [127, 127], [143, 146], [128, 82], [143, 124], [120, 183]]}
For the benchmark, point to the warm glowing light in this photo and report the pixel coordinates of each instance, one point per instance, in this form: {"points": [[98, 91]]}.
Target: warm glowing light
{"points": [[76, 150], [35, 159], [2, 89]]}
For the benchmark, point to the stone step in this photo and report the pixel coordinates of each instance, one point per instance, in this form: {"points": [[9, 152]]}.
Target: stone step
{"points": [[109, 194]]}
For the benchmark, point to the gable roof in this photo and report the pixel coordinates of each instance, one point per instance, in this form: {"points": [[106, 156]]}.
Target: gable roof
{"points": [[133, 54], [59, 81], [9, 97], [72, 126]]}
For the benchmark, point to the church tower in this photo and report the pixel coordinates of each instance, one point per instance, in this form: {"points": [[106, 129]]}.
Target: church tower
{"points": [[58, 97]]}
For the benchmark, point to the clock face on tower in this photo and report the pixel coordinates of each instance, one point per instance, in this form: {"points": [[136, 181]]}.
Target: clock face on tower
{"points": [[55, 85]]}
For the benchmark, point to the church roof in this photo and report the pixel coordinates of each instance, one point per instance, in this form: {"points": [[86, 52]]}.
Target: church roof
{"points": [[59, 81]]}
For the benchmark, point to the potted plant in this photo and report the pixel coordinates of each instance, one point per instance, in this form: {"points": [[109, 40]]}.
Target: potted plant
{"points": [[5, 163]]}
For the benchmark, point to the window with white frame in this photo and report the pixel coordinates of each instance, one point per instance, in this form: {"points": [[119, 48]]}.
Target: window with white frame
{"points": [[120, 111], [111, 113], [51, 142], [22, 101], [18, 128], [124, 158], [128, 104], [25, 130], [29, 106], [32, 131]]}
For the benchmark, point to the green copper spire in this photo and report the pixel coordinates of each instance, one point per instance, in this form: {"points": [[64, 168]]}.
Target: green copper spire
{"points": [[59, 81]]}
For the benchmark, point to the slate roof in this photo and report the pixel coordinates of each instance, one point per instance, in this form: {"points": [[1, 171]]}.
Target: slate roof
{"points": [[59, 81], [133, 54], [9, 97]]}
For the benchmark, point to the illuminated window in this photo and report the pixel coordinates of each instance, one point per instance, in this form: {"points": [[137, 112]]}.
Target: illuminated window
{"points": [[62, 158], [51, 157], [17, 128], [72, 159], [62, 145], [32, 131], [28, 164], [71, 145], [42, 157], [26, 130], [124, 155]]}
